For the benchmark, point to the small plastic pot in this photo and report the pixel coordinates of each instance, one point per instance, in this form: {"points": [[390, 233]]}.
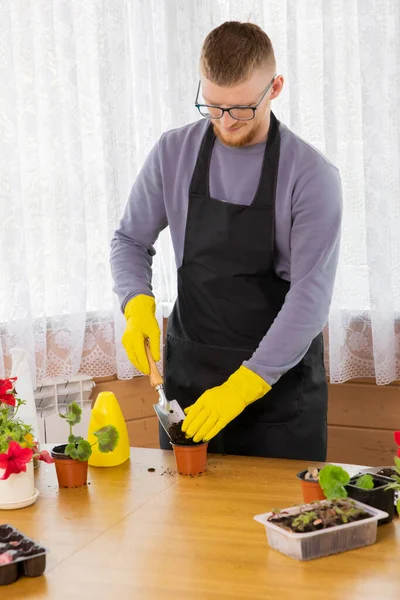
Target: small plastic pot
{"points": [[191, 460], [377, 498], [312, 491], [70, 473]]}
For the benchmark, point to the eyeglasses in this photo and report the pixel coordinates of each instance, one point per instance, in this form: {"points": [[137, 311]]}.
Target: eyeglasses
{"points": [[239, 113]]}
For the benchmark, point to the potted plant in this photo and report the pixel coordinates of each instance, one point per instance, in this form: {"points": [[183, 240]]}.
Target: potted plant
{"points": [[321, 528], [18, 449], [72, 459], [310, 486], [190, 457]]}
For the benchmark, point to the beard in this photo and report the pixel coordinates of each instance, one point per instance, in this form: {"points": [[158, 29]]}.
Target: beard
{"points": [[237, 140]]}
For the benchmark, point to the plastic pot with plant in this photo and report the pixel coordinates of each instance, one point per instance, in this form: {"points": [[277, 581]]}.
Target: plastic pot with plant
{"points": [[72, 459], [190, 457], [18, 450]]}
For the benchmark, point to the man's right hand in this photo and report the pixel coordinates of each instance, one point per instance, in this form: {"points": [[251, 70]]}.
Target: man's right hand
{"points": [[141, 324]]}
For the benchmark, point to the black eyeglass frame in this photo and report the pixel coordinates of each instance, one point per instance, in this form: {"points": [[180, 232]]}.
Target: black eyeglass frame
{"points": [[228, 110]]}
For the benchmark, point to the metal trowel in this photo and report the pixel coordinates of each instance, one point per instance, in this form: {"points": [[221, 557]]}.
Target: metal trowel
{"points": [[168, 412]]}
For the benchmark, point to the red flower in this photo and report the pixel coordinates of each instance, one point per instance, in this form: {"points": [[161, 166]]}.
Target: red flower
{"points": [[45, 456], [7, 394], [397, 437], [14, 461]]}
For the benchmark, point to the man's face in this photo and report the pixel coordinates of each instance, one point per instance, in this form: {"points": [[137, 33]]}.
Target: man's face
{"points": [[241, 133]]}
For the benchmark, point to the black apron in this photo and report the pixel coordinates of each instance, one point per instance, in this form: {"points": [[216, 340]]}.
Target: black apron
{"points": [[228, 298]]}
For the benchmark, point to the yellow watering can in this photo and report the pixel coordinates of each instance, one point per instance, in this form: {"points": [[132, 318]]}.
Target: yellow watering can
{"points": [[106, 411]]}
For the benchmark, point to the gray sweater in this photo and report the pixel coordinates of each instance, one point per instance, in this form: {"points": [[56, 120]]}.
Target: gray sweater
{"points": [[307, 221]]}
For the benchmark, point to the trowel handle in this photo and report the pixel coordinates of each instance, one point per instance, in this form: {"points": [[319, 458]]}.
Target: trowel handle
{"points": [[155, 375]]}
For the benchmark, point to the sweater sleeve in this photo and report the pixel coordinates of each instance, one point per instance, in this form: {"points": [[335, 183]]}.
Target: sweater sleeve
{"points": [[315, 240], [132, 246]]}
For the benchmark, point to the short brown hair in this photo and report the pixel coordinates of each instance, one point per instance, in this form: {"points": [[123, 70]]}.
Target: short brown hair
{"points": [[233, 50]]}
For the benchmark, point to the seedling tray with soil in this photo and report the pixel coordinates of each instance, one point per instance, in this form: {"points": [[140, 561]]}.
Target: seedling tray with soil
{"points": [[19, 555], [322, 528]]}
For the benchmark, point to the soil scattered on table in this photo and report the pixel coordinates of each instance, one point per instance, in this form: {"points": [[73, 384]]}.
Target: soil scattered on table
{"points": [[178, 437], [169, 472], [151, 469], [321, 516]]}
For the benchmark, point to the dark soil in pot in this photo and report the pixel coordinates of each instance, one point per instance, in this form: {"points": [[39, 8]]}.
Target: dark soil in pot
{"points": [[178, 437], [387, 472]]}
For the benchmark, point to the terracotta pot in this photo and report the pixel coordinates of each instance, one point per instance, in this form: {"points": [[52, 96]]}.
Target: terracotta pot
{"points": [[312, 491], [191, 460], [70, 473]]}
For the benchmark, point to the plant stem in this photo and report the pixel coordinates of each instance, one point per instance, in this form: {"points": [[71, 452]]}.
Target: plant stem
{"points": [[15, 413]]}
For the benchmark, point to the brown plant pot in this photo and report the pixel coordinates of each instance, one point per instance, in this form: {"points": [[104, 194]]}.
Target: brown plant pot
{"points": [[70, 473], [312, 491], [191, 460]]}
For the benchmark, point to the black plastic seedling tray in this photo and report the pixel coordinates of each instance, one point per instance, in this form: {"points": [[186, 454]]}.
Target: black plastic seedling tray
{"points": [[19, 555]]}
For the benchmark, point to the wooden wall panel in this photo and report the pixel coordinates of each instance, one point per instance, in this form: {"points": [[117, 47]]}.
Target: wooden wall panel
{"points": [[135, 396], [360, 446], [143, 433], [364, 405]]}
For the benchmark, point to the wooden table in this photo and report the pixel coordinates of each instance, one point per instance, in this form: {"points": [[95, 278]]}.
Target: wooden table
{"points": [[133, 534]]}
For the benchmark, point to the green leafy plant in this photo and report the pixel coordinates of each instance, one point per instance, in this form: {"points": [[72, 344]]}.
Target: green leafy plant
{"points": [[365, 482], [396, 483], [333, 480], [80, 449]]}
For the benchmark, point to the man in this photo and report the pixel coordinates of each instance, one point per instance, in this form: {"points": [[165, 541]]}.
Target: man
{"points": [[254, 214]]}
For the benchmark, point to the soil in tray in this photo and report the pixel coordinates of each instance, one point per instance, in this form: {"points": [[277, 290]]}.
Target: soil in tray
{"points": [[178, 437], [321, 516]]}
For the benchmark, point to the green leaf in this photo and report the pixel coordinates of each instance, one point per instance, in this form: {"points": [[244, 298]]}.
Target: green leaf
{"points": [[365, 482], [80, 450], [107, 438], [71, 451], [397, 463], [73, 414], [333, 480], [74, 439]]}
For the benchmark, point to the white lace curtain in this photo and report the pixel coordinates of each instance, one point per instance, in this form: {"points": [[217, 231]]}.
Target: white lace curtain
{"points": [[85, 90]]}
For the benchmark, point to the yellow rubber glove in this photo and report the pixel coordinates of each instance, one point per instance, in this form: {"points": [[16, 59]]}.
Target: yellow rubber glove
{"points": [[141, 323], [220, 405]]}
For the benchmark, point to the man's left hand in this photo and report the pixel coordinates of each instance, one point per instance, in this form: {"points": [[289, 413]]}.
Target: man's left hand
{"points": [[220, 405]]}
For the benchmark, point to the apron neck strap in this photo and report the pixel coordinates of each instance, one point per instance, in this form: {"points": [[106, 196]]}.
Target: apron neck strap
{"points": [[265, 195]]}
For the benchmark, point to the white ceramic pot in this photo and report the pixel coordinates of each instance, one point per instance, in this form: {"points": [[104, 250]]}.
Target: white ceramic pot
{"points": [[17, 487]]}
